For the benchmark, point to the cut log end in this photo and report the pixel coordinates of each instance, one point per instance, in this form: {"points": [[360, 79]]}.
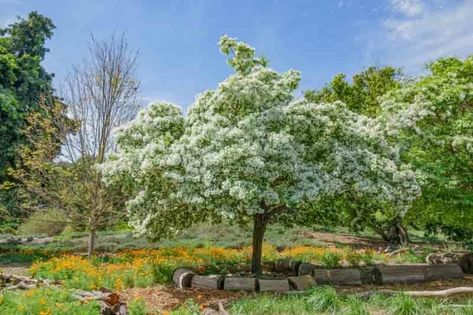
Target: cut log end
{"points": [[182, 278]]}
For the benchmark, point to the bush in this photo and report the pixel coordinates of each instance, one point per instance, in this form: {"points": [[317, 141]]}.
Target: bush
{"points": [[50, 222], [331, 260]]}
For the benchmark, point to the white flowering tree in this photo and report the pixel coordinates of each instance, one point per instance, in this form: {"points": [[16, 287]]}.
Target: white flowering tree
{"points": [[247, 151]]}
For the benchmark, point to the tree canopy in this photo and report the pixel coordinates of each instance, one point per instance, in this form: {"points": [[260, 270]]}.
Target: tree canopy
{"points": [[363, 94], [248, 151], [24, 83], [434, 118]]}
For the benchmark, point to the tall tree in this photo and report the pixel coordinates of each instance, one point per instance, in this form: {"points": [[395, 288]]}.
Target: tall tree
{"points": [[23, 83], [247, 152], [101, 94], [362, 95], [434, 116]]}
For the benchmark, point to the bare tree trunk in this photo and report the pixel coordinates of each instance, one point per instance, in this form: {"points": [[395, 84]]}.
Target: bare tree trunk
{"points": [[259, 227], [396, 233], [91, 248]]}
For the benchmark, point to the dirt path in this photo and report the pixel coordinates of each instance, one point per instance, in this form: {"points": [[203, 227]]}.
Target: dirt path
{"points": [[345, 239], [15, 269]]}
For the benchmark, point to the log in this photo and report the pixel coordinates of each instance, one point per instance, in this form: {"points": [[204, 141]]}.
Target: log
{"points": [[442, 272], [182, 278], [213, 282], [286, 265], [337, 276], [240, 284], [269, 266], [273, 285], [306, 269], [398, 274], [367, 276], [464, 259], [321, 276], [301, 283]]}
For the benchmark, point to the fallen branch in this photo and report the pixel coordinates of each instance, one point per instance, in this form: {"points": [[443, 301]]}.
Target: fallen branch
{"points": [[438, 293]]}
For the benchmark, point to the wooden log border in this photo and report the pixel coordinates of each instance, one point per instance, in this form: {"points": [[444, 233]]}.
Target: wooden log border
{"points": [[293, 277]]}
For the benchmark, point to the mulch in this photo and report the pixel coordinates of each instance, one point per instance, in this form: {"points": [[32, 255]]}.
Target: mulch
{"points": [[162, 299]]}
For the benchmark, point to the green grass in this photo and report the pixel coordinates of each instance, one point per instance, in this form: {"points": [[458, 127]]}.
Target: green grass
{"points": [[325, 300], [45, 301]]}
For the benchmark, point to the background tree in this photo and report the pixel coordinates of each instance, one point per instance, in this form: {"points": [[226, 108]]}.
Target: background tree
{"points": [[101, 94], [363, 95], [434, 116], [23, 84], [247, 152]]}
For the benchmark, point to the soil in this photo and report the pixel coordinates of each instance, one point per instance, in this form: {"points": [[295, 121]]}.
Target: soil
{"points": [[14, 269], [161, 299], [334, 239]]}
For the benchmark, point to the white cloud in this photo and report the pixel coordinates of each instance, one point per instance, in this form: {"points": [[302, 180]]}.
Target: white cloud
{"points": [[423, 34], [408, 7]]}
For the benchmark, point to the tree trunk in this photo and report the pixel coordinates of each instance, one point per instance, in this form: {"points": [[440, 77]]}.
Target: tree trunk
{"points": [[259, 227], [395, 234], [91, 248]]}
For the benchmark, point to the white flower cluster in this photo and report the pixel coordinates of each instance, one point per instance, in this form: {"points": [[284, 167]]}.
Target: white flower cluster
{"points": [[248, 147]]}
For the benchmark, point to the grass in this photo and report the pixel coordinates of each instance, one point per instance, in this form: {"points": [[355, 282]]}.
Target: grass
{"points": [[45, 301], [325, 300]]}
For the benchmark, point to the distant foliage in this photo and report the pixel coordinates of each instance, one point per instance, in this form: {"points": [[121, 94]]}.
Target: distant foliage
{"points": [[25, 89], [433, 116], [49, 222]]}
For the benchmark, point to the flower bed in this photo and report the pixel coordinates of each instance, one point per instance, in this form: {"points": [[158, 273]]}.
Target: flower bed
{"points": [[142, 268]]}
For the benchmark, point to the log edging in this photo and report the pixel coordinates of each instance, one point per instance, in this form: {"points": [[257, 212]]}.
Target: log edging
{"points": [[299, 276]]}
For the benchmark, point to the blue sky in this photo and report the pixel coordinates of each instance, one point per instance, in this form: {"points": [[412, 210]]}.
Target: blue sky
{"points": [[177, 40]]}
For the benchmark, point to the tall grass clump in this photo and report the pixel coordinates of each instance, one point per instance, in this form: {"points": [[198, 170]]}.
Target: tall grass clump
{"points": [[324, 299]]}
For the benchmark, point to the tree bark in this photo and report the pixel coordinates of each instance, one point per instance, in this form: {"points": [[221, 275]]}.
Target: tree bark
{"points": [[259, 227], [91, 248], [395, 234]]}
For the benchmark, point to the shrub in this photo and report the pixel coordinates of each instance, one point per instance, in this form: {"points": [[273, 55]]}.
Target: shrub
{"points": [[331, 260], [50, 222]]}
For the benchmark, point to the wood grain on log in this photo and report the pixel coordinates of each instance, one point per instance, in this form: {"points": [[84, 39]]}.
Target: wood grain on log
{"points": [[442, 272], [182, 277], [240, 284], [301, 283], [398, 274], [273, 285], [337, 276], [214, 282]]}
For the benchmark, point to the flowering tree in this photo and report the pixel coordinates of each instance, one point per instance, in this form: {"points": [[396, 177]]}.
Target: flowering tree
{"points": [[247, 151]]}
